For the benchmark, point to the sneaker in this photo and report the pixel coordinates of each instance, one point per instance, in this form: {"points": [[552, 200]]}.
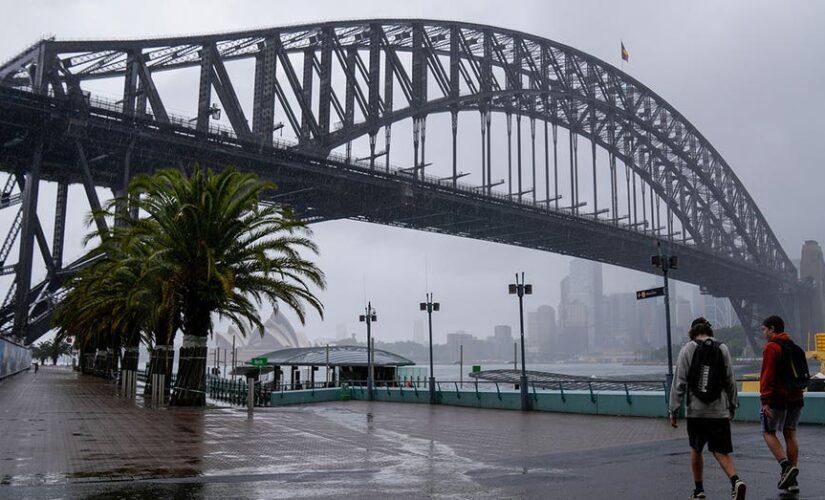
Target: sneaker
{"points": [[787, 477], [698, 494], [793, 486], [738, 491]]}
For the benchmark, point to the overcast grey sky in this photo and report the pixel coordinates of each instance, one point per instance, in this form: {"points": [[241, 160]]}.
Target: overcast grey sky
{"points": [[748, 74]]}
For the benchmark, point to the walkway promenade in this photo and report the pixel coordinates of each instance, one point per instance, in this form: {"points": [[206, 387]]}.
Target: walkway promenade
{"points": [[63, 435]]}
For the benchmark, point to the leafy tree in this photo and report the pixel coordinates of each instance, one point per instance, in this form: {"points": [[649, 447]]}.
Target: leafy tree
{"points": [[213, 247], [59, 348], [41, 351], [106, 305]]}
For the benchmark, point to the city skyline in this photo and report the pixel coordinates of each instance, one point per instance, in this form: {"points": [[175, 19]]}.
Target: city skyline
{"points": [[600, 336]]}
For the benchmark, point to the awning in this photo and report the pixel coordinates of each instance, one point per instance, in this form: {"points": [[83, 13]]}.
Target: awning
{"points": [[339, 355]]}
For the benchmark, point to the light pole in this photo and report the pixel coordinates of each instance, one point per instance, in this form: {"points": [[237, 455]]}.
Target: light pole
{"points": [[665, 263], [369, 318], [431, 306], [521, 289]]}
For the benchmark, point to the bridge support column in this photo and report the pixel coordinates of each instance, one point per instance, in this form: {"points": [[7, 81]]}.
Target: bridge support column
{"points": [[423, 121], [533, 152], [487, 120], [59, 224], [454, 124], [387, 142], [416, 131], [24, 262], [510, 154], [556, 165], [484, 180], [518, 154]]}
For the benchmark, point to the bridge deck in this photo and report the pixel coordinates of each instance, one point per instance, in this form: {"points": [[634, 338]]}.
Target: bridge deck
{"points": [[66, 435]]}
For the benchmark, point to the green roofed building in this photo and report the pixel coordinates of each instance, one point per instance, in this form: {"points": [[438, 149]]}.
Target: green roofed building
{"points": [[347, 363]]}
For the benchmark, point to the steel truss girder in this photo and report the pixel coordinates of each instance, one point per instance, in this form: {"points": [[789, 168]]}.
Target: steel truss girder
{"points": [[572, 69], [355, 194], [628, 157], [541, 79]]}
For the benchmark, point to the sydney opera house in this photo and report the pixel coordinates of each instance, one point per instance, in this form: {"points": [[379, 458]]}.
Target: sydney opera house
{"points": [[278, 333]]}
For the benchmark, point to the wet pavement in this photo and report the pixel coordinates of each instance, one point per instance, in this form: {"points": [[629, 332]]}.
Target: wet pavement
{"points": [[63, 435]]}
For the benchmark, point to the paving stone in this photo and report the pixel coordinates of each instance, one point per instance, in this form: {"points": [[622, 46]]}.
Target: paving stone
{"points": [[63, 434]]}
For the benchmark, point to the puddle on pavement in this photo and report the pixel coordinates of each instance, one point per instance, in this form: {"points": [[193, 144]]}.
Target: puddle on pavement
{"points": [[132, 473]]}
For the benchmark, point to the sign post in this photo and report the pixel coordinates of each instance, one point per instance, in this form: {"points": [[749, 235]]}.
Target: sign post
{"points": [[665, 263], [250, 382]]}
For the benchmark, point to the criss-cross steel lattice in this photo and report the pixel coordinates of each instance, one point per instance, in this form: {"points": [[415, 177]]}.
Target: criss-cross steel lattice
{"points": [[332, 83]]}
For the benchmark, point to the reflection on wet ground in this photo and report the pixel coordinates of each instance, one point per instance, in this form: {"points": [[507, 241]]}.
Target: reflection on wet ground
{"points": [[65, 436]]}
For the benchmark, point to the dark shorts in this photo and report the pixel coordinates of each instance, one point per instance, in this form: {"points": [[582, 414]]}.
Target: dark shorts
{"points": [[782, 419], [715, 432]]}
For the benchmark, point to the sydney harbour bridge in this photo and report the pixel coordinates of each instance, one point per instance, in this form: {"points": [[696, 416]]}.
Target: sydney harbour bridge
{"points": [[648, 175]]}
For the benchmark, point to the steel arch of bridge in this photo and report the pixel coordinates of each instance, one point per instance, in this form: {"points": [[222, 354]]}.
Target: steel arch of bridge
{"points": [[353, 70]]}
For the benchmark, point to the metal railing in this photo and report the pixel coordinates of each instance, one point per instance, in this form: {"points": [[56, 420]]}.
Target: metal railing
{"points": [[236, 391], [560, 386]]}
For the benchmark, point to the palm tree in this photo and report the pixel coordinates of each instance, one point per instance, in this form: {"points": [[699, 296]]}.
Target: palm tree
{"points": [[105, 306], [217, 250], [41, 351]]}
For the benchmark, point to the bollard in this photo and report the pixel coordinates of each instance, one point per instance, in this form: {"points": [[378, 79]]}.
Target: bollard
{"points": [[250, 394]]}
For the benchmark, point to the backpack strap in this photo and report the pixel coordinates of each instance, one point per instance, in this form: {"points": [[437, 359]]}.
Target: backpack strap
{"points": [[782, 342], [783, 346]]}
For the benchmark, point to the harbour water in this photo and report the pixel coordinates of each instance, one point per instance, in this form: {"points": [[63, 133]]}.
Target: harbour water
{"points": [[598, 370]]}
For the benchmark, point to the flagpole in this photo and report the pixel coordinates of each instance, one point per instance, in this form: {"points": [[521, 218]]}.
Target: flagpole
{"points": [[621, 53]]}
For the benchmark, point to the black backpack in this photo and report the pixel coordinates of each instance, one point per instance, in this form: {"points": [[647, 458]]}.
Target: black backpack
{"points": [[793, 365], [707, 373]]}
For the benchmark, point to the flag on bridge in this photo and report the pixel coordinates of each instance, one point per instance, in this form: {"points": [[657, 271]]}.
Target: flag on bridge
{"points": [[625, 53]]}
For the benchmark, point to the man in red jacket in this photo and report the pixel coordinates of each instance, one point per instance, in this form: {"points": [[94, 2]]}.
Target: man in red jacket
{"points": [[781, 404]]}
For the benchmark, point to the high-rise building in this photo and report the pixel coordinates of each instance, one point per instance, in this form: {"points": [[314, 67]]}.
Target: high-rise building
{"points": [[541, 330], [532, 333], [812, 270], [681, 318], [621, 320], [546, 323], [341, 331], [502, 343], [581, 300], [573, 320], [503, 333], [461, 338]]}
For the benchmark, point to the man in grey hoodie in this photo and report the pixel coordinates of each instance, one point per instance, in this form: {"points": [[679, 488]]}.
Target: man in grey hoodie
{"points": [[707, 422]]}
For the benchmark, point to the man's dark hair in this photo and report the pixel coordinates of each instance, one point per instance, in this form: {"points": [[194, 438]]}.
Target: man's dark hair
{"points": [[700, 328], [774, 322], [700, 320]]}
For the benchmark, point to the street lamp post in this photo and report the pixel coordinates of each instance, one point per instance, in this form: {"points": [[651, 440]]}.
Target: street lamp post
{"points": [[369, 318], [665, 263], [521, 289], [430, 307]]}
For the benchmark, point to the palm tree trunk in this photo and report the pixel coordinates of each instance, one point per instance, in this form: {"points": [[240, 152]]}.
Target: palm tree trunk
{"points": [[129, 364], [111, 363], [160, 363], [190, 387], [88, 361], [100, 361], [129, 372]]}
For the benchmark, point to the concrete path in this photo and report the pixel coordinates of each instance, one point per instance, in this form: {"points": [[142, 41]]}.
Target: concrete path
{"points": [[63, 435]]}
